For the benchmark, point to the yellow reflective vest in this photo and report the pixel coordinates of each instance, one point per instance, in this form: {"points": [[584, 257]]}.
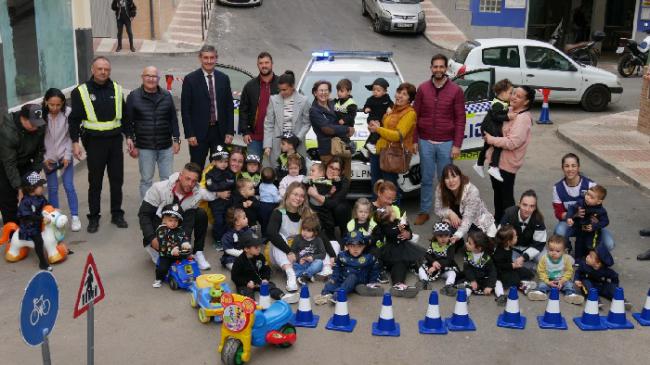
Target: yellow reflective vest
{"points": [[91, 122]]}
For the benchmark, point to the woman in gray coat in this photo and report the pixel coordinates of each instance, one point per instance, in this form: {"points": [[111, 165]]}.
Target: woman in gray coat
{"points": [[287, 111]]}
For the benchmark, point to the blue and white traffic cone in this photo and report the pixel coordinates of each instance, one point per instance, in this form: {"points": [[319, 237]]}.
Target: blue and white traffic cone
{"points": [[341, 320], [265, 298], [644, 317], [616, 319], [590, 320], [552, 318], [386, 325], [545, 115], [304, 317], [432, 324], [511, 316], [460, 320]]}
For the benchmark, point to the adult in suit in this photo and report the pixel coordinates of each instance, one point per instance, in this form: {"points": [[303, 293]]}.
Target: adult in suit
{"points": [[207, 107]]}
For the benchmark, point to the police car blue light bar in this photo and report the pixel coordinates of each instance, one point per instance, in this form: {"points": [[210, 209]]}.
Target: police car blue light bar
{"points": [[328, 54]]}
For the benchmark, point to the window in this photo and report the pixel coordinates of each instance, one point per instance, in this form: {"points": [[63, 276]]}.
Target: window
{"points": [[501, 56], [546, 59], [489, 6]]}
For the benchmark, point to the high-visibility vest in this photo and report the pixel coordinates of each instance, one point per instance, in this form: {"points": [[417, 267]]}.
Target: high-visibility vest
{"points": [[91, 122]]}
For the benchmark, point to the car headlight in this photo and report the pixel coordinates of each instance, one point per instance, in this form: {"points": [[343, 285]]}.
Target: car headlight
{"points": [[421, 16], [387, 14]]}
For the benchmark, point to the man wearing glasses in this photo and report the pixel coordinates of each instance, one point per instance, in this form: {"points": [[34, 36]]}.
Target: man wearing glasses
{"points": [[152, 133]]}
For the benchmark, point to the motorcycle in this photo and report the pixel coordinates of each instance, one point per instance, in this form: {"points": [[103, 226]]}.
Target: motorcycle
{"points": [[584, 52], [635, 56]]}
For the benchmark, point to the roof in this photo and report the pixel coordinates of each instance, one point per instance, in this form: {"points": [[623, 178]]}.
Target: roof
{"points": [[496, 42], [343, 64]]}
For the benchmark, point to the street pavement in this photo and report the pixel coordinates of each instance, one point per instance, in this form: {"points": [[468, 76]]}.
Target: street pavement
{"points": [[137, 324]]}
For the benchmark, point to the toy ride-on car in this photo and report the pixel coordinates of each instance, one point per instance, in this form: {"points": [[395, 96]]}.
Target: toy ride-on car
{"points": [[182, 273], [244, 326], [206, 293]]}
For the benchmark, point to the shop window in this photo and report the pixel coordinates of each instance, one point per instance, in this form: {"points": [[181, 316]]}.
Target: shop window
{"points": [[489, 6]]}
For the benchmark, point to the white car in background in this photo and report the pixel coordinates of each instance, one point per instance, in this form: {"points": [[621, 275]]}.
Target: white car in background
{"points": [[362, 68], [540, 66]]}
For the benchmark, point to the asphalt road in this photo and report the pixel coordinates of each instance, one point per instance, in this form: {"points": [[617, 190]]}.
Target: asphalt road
{"points": [[137, 324]]}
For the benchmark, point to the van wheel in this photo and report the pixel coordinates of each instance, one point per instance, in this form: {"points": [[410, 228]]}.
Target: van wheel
{"points": [[596, 98], [376, 25]]}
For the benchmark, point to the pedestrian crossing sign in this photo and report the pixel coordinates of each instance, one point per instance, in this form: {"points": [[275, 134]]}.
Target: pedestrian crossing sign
{"points": [[91, 289]]}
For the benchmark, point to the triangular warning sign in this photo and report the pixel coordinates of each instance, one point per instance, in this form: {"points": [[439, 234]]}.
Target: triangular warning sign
{"points": [[91, 289]]}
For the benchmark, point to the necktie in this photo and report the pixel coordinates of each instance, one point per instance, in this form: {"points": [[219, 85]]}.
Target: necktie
{"points": [[213, 112]]}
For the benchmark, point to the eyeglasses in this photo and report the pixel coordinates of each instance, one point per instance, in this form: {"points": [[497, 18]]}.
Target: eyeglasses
{"points": [[150, 76], [323, 91]]}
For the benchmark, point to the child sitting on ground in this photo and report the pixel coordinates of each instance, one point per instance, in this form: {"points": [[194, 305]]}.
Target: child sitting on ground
{"points": [[253, 165], [478, 268], [594, 271], [245, 199], [220, 180], [309, 250], [345, 108], [509, 272], [237, 228], [588, 227], [493, 124], [172, 241], [378, 104], [361, 217], [318, 180], [294, 166], [439, 260], [269, 197], [250, 270], [353, 271], [288, 146], [555, 270], [30, 215]]}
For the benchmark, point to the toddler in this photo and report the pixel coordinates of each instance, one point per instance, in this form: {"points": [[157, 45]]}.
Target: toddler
{"points": [[509, 272], [30, 215], [594, 271], [361, 217], [173, 242], [318, 180], [245, 199], [353, 271], [309, 250], [253, 164], [439, 260], [269, 197], [345, 108], [555, 270], [493, 124], [294, 166], [588, 226], [221, 180], [250, 270], [288, 146], [237, 229], [378, 104], [478, 267]]}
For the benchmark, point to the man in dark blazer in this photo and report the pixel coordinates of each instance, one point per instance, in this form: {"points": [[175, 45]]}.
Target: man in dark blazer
{"points": [[207, 107]]}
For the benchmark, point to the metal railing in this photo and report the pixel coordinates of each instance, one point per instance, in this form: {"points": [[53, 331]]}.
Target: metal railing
{"points": [[206, 9]]}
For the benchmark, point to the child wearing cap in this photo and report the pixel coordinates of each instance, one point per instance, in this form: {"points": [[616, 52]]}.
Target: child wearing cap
{"points": [[353, 271], [288, 146], [439, 260], [253, 164], [294, 168], [173, 241], [594, 271], [376, 106], [250, 270], [269, 197], [588, 227], [220, 180], [30, 215], [237, 228], [244, 198]]}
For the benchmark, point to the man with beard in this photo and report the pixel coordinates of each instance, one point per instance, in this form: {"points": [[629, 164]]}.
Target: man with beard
{"points": [[439, 130], [254, 102]]}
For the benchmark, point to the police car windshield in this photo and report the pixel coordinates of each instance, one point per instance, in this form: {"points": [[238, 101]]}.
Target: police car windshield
{"points": [[359, 82]]}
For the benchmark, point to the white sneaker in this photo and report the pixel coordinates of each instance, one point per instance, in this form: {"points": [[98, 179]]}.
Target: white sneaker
{"points": [[290, 298], [495, 173], [327, 271], [479, 170], [292, 284], [75, 226], [574, 299], [537, 295], [200, 259], [153, 253], [157, 284]]}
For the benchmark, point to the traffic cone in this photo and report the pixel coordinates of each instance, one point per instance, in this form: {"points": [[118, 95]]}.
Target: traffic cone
{"points": [[432, 324], [552, 318], [304, 317], [545, 115], [590, 320], [460, 320], [386, 325], [644, 317], [341, 320], [265, 297], [616, 319], [511, 316]]}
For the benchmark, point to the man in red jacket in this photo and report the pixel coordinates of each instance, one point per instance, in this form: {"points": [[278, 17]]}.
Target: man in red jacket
{"points": [[439, 131]]}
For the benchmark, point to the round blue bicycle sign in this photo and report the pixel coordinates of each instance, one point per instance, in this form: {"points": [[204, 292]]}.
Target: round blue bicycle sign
{"points": [[39, 308]]}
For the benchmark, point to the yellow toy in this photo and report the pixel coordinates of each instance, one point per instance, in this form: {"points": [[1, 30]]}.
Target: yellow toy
{"points": [[206, 293]]}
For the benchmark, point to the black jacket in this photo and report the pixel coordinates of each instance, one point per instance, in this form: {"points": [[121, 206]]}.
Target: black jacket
{"points": [[527, 236], [378, 107], [484, 270], [20, 150], [248, 103], [104, 105], [326, 125], [494, 119], [130, 7], [251, 212], [152, 119], [254, 269]]}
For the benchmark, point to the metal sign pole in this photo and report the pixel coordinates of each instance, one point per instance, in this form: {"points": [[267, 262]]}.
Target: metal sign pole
{"points": [[45, 349], [91, 333]]}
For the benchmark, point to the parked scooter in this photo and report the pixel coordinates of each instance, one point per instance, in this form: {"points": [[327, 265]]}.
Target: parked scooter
{"points": [[584, 52], [635, 56]]}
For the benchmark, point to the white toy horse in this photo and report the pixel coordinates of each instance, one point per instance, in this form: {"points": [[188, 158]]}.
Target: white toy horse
{"points": [[53, 233]]}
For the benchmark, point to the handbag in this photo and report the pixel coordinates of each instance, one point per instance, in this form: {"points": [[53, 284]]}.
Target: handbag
{"points": [[395, 158], [340, 148]]}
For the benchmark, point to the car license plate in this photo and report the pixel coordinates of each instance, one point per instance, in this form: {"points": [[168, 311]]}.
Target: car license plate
{"points": [[620, 50], [404, 25], [362, 173]]}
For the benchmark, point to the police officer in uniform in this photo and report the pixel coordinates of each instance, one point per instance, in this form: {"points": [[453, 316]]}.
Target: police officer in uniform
{"points": [[96, 118]]}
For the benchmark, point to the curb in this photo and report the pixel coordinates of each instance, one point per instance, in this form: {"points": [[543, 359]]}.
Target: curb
{"points": [[431, 12]]}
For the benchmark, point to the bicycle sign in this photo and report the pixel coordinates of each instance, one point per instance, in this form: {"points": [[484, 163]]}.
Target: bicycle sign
{"points": [[39, 308]]}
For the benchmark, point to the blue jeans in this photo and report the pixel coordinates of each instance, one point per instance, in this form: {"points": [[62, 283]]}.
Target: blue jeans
{"points": [[376, 173], [68, 185], [147, 160], [255, 148], [310, 268], [348, 285], [433, 158], [567, 288], [563, 229]]}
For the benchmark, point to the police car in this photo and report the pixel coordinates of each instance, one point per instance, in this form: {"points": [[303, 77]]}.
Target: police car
{"points": [[362, 67]]}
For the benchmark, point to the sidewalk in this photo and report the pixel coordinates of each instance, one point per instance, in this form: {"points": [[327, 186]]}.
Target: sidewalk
{"points": [[106, 45], [440, 30], [614, 141]]}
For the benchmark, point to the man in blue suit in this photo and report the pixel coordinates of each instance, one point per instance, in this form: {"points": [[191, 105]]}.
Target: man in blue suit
{"points": [[207, 107]]}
